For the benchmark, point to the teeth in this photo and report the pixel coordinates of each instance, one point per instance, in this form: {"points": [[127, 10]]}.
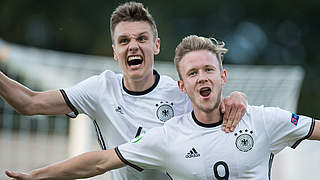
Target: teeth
{"points": [[205, 89], [134, 60], [134, 57]]}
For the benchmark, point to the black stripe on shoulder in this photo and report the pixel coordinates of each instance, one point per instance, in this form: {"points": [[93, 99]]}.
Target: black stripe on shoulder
{"points": [[125, 161], [66, 99], [306, 137]]}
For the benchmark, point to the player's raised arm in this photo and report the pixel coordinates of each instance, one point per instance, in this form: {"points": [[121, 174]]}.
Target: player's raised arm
{"points": [[83, 166], [29, 102], [233, 108]]}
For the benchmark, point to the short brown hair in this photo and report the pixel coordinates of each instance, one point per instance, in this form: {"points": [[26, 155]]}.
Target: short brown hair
{"points": [[132, 11], [195, 43]]}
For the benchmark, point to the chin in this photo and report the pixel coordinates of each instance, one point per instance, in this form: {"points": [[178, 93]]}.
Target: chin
{"points": [[137, 74], [208, 107]]}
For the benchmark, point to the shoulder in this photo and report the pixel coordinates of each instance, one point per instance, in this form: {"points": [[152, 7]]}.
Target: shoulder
{"points": [[107, 74], [176, 121], [169, 86], [105, 77], [98, 82], [167, 81], [167, 78], [262, 109], [267, 114]]}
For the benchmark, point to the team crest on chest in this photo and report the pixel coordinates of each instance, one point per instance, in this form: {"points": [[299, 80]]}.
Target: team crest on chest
{"points": [[164, 111], [244, 141]]}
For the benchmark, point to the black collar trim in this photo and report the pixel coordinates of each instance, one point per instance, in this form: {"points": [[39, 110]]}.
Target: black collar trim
{"points": [[139, 93], [203, 124]]}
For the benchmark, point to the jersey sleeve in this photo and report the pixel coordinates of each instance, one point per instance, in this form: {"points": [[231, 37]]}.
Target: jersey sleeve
{"points": [[85, 96], [147, 151], [285, 128], [81, 98]]}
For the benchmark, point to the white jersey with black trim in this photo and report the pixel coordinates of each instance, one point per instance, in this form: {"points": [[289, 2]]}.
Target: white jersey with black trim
{"points": [[120, 115], [187, 149]]}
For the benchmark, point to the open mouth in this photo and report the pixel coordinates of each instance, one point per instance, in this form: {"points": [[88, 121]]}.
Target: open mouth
{"points": [[134, 60], [205, 92]]}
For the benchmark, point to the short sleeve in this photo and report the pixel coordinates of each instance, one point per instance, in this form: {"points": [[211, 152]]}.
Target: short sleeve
{"points": [[81, 98], [84, 97], [285, 128], [147, 151]]}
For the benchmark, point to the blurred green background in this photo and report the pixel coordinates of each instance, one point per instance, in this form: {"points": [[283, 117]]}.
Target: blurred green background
{"points": [[269, 32]]}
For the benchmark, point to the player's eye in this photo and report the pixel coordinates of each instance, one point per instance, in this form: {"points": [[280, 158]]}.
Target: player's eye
{"points": [[123, 41], [209, 69], [142, 38], [192, 73]]}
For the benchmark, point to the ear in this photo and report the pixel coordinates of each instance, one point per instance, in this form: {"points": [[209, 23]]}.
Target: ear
{"points": [[115, 56], [223, 76], [181, 86], [157, 46]]}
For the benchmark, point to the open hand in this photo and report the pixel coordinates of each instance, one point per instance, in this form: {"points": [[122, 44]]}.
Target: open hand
{"points": [[233, 108], [18, 176]]}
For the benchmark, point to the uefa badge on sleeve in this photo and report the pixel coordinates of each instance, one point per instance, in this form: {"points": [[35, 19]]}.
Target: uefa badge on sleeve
{"points": [[294, 119]]}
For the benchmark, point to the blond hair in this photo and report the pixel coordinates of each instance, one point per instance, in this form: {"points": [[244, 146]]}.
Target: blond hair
{"points": [[195, 43]]}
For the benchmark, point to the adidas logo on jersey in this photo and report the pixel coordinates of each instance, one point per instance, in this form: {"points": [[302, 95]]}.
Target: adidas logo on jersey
{"points": [[192, 154]]}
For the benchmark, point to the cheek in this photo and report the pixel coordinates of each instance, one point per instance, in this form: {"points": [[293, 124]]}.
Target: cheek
{"points": [[148, 49], [189, 88], [121, 51]]}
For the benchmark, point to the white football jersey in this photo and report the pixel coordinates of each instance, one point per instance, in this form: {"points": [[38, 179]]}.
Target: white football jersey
{"points": [[187, 149], [120, 115]]}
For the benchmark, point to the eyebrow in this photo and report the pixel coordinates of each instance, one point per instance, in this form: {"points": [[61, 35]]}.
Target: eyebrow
{"points": [[124, 36], [195, 69], [211, 66]]}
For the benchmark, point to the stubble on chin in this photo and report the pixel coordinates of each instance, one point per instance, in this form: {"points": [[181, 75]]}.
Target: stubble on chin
{"points": [[213, 107]]}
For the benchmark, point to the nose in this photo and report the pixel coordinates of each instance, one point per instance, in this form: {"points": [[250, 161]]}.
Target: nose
{"points": [[133, 45], [202, 78]]}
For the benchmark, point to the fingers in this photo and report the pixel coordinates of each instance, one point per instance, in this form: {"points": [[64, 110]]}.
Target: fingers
{"points": [[225, 117], [235, 115], [231, 118], [237, 118], [10, 174], [14, 175], [222, 107], [241, 110], [234, 109]]}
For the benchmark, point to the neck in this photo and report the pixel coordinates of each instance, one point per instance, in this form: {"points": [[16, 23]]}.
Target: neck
{"points": [[208, 117], [141, 84]]}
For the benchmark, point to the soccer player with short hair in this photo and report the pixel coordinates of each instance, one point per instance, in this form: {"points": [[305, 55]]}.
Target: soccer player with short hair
{"points": [[121, 105], [193, 146]]}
